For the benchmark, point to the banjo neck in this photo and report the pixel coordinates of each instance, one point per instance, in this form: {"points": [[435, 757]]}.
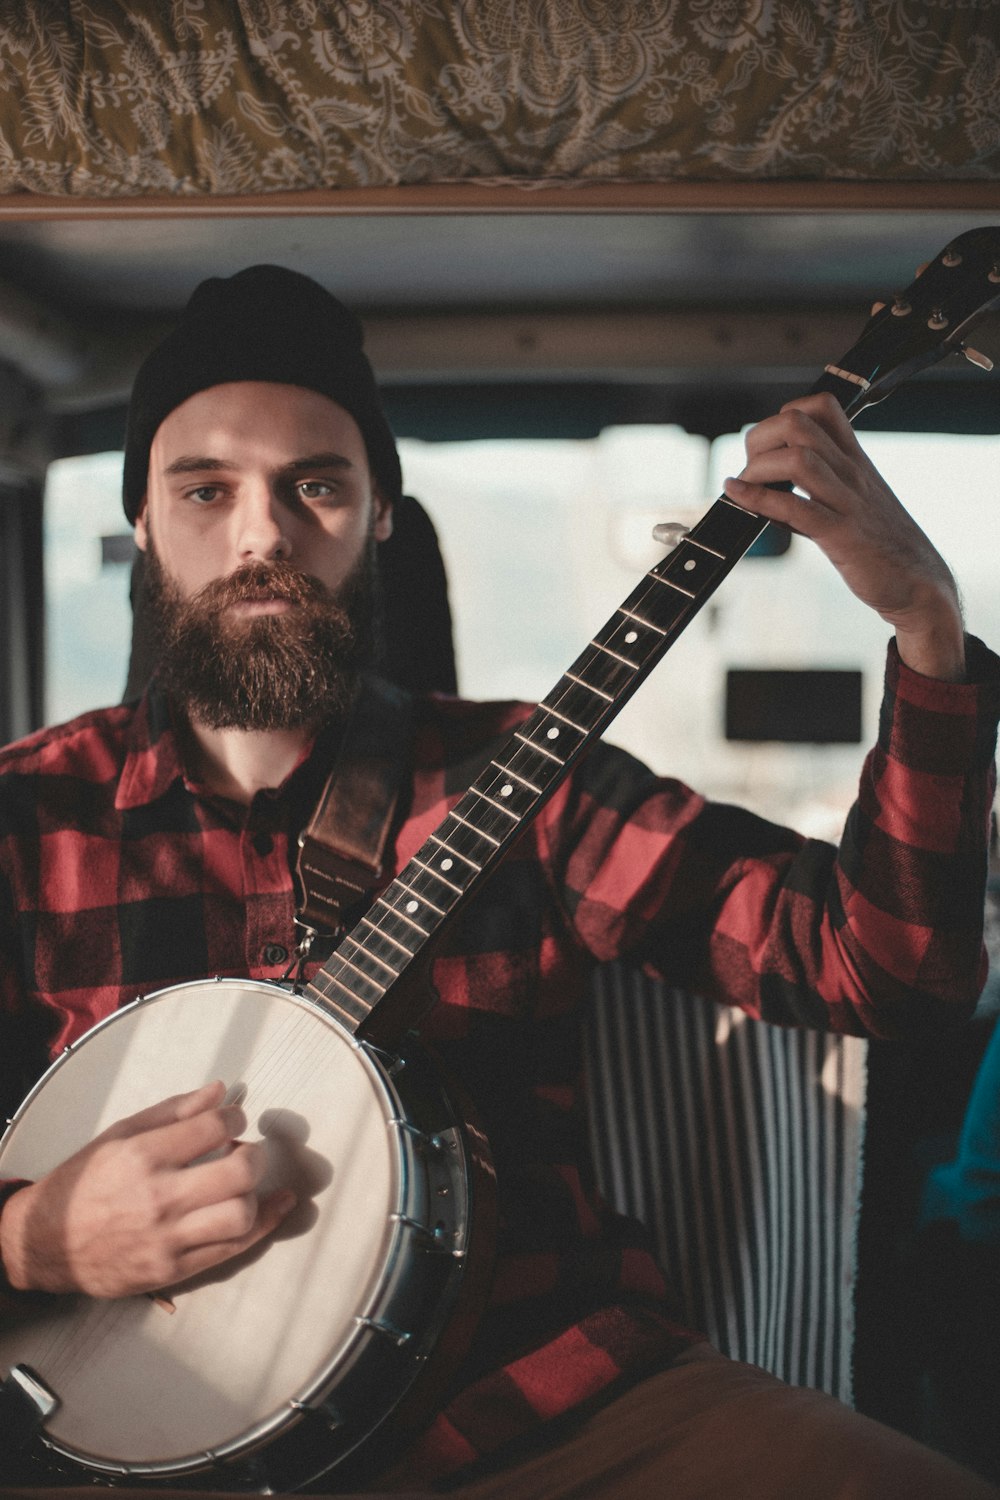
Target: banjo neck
{"points": [[359, 982]]}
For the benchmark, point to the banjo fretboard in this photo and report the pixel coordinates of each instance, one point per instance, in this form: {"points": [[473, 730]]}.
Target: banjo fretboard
{"points": [[512, 788], [958, 288]]}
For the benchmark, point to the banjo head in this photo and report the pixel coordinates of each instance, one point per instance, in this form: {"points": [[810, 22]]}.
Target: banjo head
{"points": [[214, 1368]]}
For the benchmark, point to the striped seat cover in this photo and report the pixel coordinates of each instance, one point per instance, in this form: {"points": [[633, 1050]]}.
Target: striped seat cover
{"points": [[739, 1145]]}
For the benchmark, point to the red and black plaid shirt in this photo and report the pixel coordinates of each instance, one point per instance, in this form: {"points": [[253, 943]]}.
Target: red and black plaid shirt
{"points": [[117, 877]]}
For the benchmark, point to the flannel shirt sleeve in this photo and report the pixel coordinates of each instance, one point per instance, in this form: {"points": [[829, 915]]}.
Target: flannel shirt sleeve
{"points": [[881, 936], [11, 1071]]}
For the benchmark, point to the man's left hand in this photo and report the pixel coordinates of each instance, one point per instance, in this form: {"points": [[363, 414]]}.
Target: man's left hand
{"points": [[850, 512]]}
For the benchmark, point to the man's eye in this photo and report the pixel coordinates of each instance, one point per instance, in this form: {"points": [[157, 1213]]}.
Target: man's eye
{"points": [[204, 493], [315, 489]]}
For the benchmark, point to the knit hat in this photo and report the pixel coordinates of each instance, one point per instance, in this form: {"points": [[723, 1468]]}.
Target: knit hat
{"points": [[265, 323]]}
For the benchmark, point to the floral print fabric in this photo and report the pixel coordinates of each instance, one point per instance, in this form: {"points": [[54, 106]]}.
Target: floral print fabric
{"points": [[101, 98]]}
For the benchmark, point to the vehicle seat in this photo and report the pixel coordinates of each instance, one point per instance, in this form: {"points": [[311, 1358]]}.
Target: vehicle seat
{"points": [[739, 1145]]}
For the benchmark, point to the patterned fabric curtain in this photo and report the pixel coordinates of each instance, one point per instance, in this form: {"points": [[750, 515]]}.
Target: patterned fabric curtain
{"points": [[103, 98]]}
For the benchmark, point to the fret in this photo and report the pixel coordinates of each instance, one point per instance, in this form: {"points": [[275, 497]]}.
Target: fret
{"points": [[630, 640], [506, 769], [408, 908], [603, 673], [576, 702], [501, 807], [359, 960], [416, 884], [672, 583], [661, 608], [354, 1005], [696, 541], [350, 1016], [691, 568], [610, 651], [381, 931], [552, 730], [543, 772], [478, 812], [447, 862], [508, 791], [461, 838], [551, 733], [727, 529], [361, 985], [591, 687], [630, 614], [470, 822], [396, 926]]}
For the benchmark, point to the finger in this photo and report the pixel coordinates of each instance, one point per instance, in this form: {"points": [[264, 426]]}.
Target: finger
{"points": [[816, 421], [803, 515], [233, 1175], [210, 1235], [167, 1111], [808, 471], [207, 1097], [795, 449], [182, 1142], [826, 412]]}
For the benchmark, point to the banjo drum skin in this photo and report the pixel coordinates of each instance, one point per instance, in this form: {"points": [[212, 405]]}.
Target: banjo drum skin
{"points": [[273, 1367]]}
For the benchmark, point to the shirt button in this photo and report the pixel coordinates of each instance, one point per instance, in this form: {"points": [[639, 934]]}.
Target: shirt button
{"points": [[263, 843], [274, 953]]}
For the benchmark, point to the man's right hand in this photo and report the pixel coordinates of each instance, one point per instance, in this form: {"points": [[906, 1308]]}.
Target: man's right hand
{"points": [[139, 1209]]}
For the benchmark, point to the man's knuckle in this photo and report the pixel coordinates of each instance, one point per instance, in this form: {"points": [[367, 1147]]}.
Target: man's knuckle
{"points": [[242, 1216]]}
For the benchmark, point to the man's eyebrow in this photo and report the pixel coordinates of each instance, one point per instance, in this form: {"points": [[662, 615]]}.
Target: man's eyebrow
{"points": [[202, 464], [319, 461], [194, 464]]}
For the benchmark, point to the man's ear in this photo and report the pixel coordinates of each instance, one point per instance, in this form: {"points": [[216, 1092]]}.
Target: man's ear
{"points": [[141, 528], [383, 515]]}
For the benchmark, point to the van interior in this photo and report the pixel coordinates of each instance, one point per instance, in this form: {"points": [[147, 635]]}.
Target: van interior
{"points": [[568, 358]]}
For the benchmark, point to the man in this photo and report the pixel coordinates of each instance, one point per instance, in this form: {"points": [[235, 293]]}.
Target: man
{"points": [[141, 847]]}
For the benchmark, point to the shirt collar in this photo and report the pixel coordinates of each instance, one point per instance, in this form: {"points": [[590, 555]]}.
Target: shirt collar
{"points": [[152, 760]]}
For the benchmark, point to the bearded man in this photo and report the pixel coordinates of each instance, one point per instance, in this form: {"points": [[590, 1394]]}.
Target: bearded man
{"points": [[146, 845]]}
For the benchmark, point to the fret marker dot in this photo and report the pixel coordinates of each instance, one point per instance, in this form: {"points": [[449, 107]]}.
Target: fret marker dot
{"points": [[631, 637], [506, 789], [446, 864], [689, 565], [552, 734], [412, 906]]}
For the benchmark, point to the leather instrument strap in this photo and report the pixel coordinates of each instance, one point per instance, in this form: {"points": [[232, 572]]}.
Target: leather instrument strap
{"points": [[342, 849]]}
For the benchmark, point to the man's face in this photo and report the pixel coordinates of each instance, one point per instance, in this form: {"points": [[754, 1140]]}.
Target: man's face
{"points": [[259, 527], [254, 472]]}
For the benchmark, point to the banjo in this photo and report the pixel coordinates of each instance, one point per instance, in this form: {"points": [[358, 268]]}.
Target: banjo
{"points": [[272, 1369]]}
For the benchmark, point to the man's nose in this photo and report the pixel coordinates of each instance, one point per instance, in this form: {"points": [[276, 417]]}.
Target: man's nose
{"points": [[262, 530]]}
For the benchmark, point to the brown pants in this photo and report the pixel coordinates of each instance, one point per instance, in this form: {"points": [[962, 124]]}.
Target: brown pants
{"points": [[709, 1428], [705, 1429]]}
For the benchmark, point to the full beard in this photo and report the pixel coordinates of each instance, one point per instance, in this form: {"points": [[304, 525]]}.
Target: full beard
{"points": [[266, 671]]}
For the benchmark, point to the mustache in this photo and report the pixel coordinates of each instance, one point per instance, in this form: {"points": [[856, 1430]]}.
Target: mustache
{"points": [[258, 581]]}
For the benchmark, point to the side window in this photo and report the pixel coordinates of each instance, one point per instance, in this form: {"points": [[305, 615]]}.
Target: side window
{"points": [[543, 540], [88, 621]]}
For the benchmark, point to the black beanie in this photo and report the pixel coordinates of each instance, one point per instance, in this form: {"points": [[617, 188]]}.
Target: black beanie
{"points": [[264, 323]]}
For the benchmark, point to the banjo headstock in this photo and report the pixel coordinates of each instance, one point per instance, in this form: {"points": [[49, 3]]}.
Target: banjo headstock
{"points": [[933, 317]]}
